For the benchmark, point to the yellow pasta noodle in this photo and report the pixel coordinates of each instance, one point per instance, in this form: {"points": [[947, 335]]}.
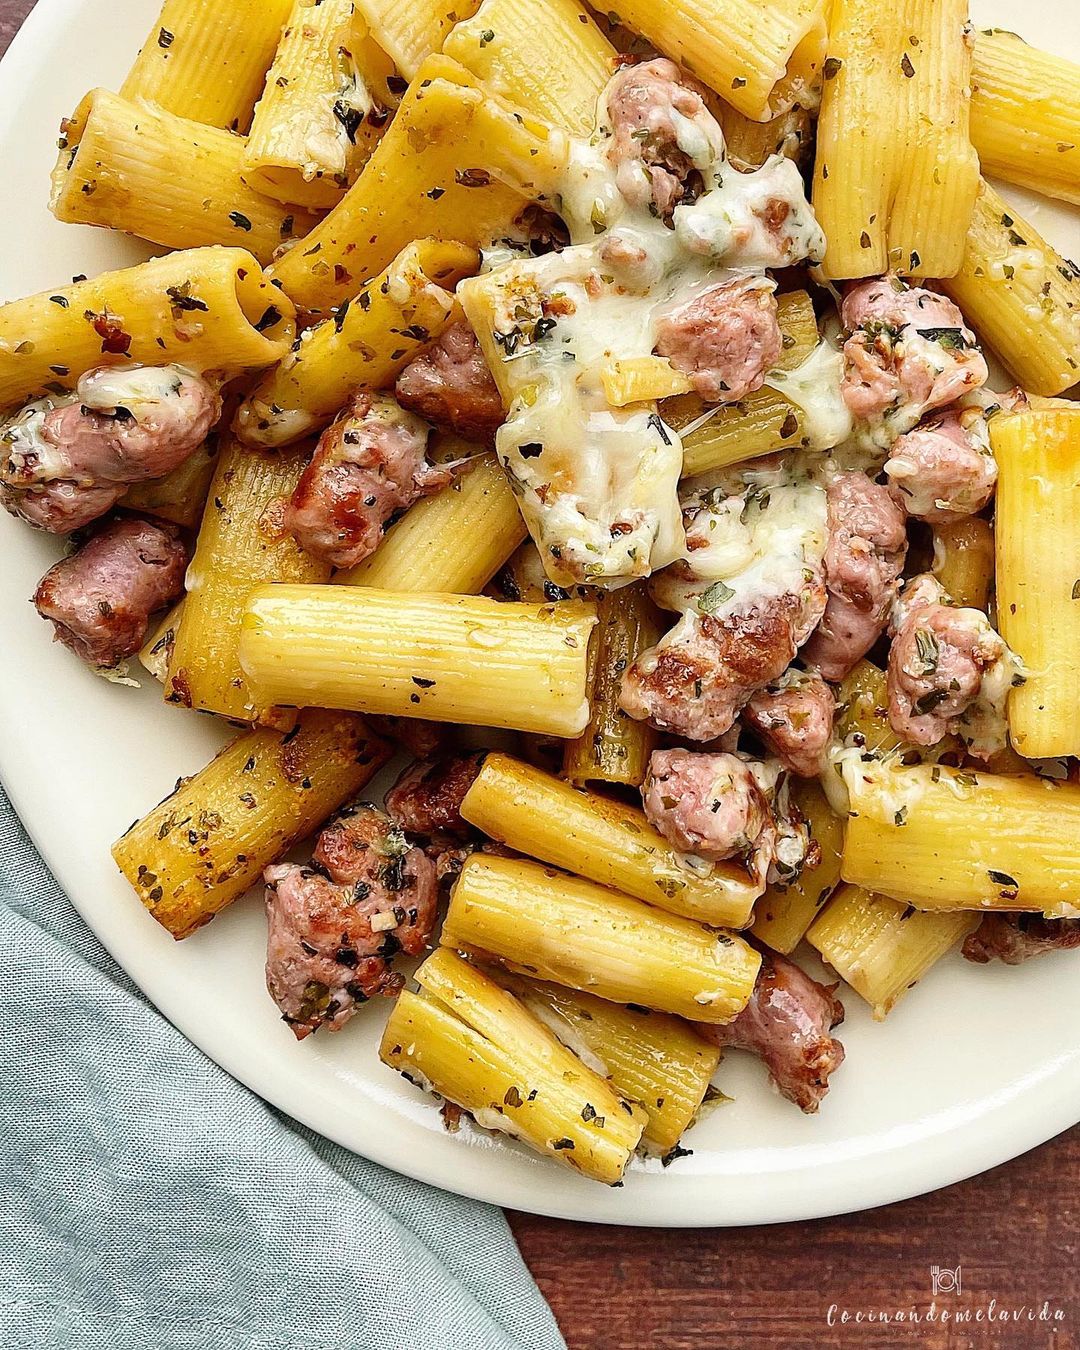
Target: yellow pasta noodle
{"points": [[862, 711], [157, 650], [651, 1058], [445, 658], [882, 947], [130, 167], [614, 748], [964, 560], [181, 495], [324, 108], [411, 32], [603, 840], [749, 143], [545, 55], [1038, 573], [1025, 114], [369, 342], [1020, 295], [941, 838], [209, 841], [453, 542], [761, 59], [455, 164], [783, 914], [207, 61], [895, 175], [541, 922], [207, 309], [475, 1044], [242, 544]]}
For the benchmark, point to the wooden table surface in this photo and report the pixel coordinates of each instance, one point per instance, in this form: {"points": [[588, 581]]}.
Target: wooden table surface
{"points": [[1012, 1232]]}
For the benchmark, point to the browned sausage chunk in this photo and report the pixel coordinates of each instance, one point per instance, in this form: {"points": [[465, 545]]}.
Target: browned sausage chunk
{"points": [[725, 340], [863, 560], [646, 105], [450, 384], [795, 720], [787, 1022], [427, 797], [101, 598], [1015, 938], [69, 460], [369, 464], [944, 467], [335, 926]]}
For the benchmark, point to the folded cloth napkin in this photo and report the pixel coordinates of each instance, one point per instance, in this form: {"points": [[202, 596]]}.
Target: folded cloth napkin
{"points": [[148, 1201]]}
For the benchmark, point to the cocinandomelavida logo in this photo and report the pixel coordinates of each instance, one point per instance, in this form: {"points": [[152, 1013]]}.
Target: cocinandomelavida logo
{"points": [[947, 1285]]}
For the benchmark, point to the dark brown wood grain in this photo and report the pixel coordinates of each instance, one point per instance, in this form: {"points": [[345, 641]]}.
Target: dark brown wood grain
{"points": [[1013, 1233]]}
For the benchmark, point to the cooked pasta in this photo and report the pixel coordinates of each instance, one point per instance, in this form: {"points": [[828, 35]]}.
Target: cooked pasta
{"points": [[609, 843], [209, 841], [412, 32], [207, 62], [211, 309], [541, 922], [175, 182], [896, 175], [1038, 573], [786, 911]]}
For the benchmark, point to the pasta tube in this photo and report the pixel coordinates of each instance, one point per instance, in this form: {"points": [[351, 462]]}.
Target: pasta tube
{"points": [[1021, 296], [445, 658], [783, 914], [475, 1044], [242, 544], [942, 838], [1038, 573], [158, 647], [895, 175], [759, 424], [452, 542], [964, 560], [455, 164], [614, 748], [412, 32], [324, 108], [209, 841], [181, 495], [207, 61], [1025, 114], [603, 840], [209, 309], [882, 947], [545, 55], [129, 167], [369, 341], [862, 711], [655, 1060], [760, 59], [540, 922], [749, 144]]}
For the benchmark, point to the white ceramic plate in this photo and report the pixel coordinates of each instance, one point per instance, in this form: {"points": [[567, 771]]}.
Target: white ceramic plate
{"points": [[975, 1067]]}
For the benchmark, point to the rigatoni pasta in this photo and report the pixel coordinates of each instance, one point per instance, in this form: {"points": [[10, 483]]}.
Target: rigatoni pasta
{"points": [[541, 922], [325, 106], [412, 32], [476, 1045], [1025, 115], [445, 658], [208, 62], [164, 178], [210, 839], [370, 340], [1038, 573], [606, 841], [896, 175], [210, 309], [785, 912], [964, 559], [882, 947]]}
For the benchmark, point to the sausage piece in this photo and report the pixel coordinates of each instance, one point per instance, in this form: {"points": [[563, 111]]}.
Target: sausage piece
{"points": [[334, 927], [944, 468], [788, 1023], [450, 384], [69, 460], [725, 340], [794, 717], [427, 797], [368, 465], [100, 599], [1015, 938], [863, 561]]}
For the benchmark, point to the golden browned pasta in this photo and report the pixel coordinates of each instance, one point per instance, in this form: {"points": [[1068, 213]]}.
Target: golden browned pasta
{"points": [[964, 560], [783, 914]]}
